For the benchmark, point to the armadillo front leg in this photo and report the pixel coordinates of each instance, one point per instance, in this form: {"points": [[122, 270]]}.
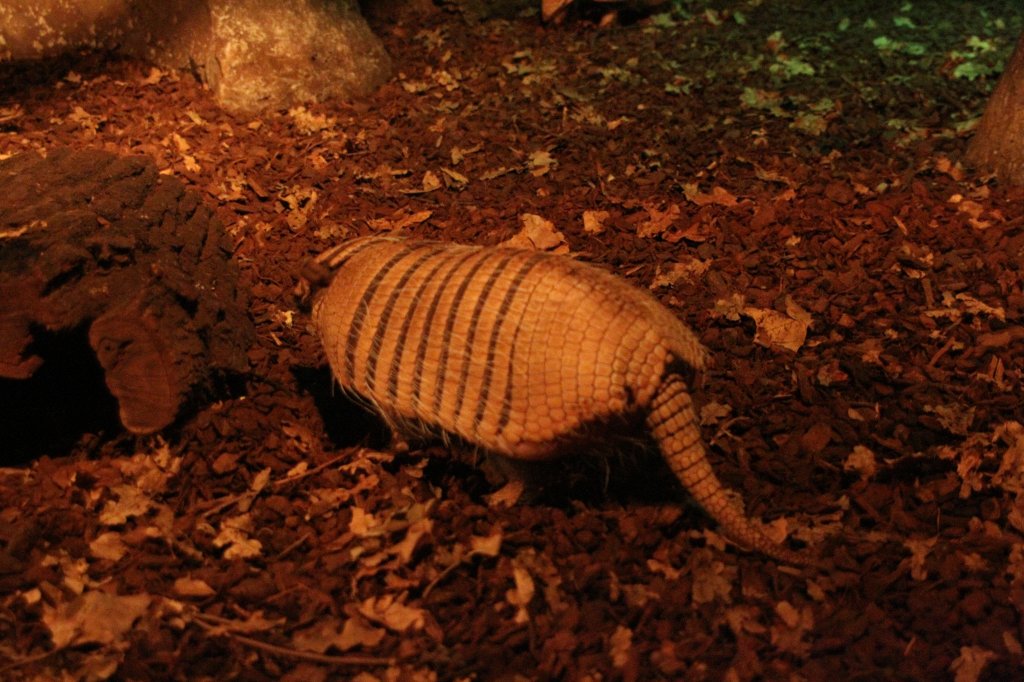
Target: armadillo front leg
{"points": [[673, 423]]}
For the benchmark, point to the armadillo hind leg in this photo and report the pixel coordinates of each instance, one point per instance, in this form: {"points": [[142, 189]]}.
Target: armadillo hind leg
{"points": [[673, 423]]}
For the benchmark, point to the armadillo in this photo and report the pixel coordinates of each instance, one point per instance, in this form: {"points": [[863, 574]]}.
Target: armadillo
{"points": [[518, 352]]}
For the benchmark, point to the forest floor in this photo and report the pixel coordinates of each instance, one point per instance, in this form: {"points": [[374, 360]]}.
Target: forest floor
{"points": [[783, 175]]}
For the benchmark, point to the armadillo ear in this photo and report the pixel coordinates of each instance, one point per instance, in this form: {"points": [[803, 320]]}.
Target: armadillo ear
{"points": [[302, 293], [313, 277]]}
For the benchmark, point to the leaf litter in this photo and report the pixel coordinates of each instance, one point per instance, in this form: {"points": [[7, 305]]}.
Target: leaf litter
{"points": [[786, 180]]}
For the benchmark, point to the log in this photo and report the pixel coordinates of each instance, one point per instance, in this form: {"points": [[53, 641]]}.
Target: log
{"points": [[97, 242]]}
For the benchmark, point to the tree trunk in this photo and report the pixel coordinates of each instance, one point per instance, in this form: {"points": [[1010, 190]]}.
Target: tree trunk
{"points": [[998, 145]]}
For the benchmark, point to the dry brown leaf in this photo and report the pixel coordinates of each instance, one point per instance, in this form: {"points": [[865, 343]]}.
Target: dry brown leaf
{"points": [[713, 412], [154, 77], [392, 614], [193, 587], [331, 632], [486, 546], [234, 535], [260, 481], [776, 330], [658, 221], [656, 566], [718, 195], [687, 270], [540, 162], [730, 308], [593, 221], [919, 550], [130, 502], [363, 523], [429, 183], [108, 546], [968, 666], [790, 634], [712, 580], [538, 233], [621, 646], [507, 495], [94, 618], [309, 123], [454, 179], [861, 460], [413, 534], [151, 470], [522, 593], [458, 154], [357, 632]]}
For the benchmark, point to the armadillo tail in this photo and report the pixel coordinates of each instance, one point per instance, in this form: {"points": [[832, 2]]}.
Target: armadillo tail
{"points": [[673, 424]]}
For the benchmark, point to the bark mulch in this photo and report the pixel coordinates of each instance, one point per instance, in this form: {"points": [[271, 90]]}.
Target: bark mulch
{"points": [[784, 175]]}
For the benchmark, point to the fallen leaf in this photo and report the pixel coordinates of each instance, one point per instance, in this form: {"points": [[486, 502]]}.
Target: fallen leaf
{"points": [[522, 593], [712, 580], [429, 183], [507, 495], [94, 618], [259, 482], [454, 179], [180, 142], [130, 502], [968, 666], [658, 221], [486, 546], [234, 535], [956, 419], [458, 154], [776, 330], [593, 221], [862, 461], [540, 162], [656, 566], [919, 550], [363, 523], [730, 308], [713, 412], [330, 632], [718, 195], [154, 76], [108, 546], [413, 534], [193, 587], [308, 123], [687, 270], [539, 234], [191, 165], [790, 634], [621, 648], [392, 614]]}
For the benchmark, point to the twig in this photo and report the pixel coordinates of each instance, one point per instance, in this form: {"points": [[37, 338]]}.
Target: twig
{"points": [[30, 659], [223, 503], [287, 550], [444, 574], [353, 659]]}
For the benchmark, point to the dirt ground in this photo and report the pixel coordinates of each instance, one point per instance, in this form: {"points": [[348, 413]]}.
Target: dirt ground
{"points": [[784, 175]]}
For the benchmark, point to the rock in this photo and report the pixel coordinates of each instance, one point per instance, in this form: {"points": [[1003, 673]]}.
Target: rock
{"points": [[253, 54]]}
